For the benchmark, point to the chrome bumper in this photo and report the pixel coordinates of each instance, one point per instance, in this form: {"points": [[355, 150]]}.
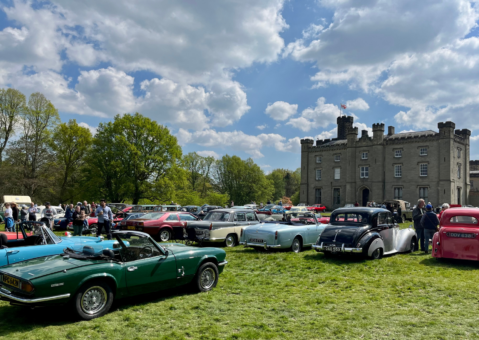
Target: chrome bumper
{"points": [[221, 264], [343, 248], [7, 295], [262, 245]]}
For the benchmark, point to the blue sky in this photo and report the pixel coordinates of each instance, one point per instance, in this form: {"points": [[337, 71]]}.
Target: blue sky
{"points": [[249, 78]]}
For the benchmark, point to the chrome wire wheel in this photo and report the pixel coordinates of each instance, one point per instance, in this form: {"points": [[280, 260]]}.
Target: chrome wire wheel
{"points": [[93, 300], [164, 235], [296, 246], [207, 278], [230, 241]]}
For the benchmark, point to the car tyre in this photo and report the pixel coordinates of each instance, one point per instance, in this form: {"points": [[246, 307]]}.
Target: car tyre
{"points": [[296, 246], [412, 245], [93, 300], [164, 235], [93, 229], [377, 254], [231, 241], [206, 277]]}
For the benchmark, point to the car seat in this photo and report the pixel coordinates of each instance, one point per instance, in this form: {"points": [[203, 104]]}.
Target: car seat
{"points": [[88, 250], [109, 253], [3, 241]]}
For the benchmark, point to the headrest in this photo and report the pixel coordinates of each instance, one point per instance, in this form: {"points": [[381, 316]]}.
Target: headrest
{"points": [[87, 250], [108, 252], [3, 239]]}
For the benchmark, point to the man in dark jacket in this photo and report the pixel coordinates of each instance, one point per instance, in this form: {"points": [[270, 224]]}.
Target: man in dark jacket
{"points": [[416, 216], [429, 222]]}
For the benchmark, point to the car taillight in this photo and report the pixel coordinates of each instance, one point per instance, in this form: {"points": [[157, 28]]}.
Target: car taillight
{"points": [[241, 234], [27, 287], [141, 224], [211, 226], [276, 235]]}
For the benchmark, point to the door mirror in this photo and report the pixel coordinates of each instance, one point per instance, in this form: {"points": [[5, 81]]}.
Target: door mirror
{"points": [[166, 253]]}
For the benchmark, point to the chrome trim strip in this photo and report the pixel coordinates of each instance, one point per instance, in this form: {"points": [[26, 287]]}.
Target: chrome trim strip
{"points": [[6, 294], [224, 263], [260, 245]]}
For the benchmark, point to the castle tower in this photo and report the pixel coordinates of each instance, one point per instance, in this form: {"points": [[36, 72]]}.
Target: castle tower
{"points": [[344, 124]]}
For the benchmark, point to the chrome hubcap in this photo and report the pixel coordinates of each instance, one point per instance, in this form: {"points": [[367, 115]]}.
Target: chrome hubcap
{"points": [[230, 241], [296, 246], [165, 235], [376, 253], [207, 278], [93, 300]]}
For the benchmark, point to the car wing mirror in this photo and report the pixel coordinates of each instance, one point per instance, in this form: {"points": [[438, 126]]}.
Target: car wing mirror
{"points": [[166, 254]]}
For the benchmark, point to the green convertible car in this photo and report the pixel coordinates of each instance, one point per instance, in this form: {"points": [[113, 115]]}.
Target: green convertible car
{"points": [[90, 279]]}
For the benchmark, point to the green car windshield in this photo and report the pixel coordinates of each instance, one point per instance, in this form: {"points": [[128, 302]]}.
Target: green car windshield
{"points": [[137, 247]]}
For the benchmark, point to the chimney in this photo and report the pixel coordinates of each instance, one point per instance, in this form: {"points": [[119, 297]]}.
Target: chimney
{"points": [[364, 133], [390, 130]]}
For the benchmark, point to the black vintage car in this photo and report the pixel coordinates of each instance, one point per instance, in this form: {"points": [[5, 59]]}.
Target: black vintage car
{"points": [[371, 232]]}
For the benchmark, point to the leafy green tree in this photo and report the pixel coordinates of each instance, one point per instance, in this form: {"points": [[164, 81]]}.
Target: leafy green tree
{"points": [[70, 143], [277, 178], [243, 181], [135, 157], [12, 105]]}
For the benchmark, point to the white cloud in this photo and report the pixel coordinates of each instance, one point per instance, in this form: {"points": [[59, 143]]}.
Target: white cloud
{"points": [[92, 129], [265, 166], [320, 116], [357, 104], [239, 141], [262, 127], [327, 134], [208, 154], [281, 110], [474, 138]]}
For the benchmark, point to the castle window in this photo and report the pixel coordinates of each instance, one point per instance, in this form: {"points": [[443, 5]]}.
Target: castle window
{"points": [[458, 152], [318, 159], [337, 173], [423, 193], [423, 152], [364, 155], [459, 171], [318, 175], [398, 153], [398, 171], [317, 196], [364, 172], [337, 158], [336, 196], [423, 169], [398, 193]]}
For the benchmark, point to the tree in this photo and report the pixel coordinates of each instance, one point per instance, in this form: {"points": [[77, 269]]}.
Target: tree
{"points": [[243, 181], [12, 104], [198, 170], [277, 177], [70, 143], [135, 157]]}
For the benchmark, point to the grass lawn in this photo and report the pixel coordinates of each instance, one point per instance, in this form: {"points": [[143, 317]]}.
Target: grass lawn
{"points": [[282, 295]]}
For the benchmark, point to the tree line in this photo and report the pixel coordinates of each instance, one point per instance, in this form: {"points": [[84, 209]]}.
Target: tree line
{"points": [[130, 159]]}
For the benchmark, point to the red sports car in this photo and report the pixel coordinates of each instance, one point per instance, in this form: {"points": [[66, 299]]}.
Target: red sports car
{"points": [[160, 224], [317, 207], [458, 236]]}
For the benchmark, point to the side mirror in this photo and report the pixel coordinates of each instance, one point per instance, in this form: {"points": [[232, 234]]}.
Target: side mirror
{"points": [[166, 253]]}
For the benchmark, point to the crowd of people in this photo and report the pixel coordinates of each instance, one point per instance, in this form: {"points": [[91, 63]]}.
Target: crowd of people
{"points": [[76, 214]]}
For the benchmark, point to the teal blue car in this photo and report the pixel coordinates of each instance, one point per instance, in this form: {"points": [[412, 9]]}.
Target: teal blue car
{"points": [[298, 232]]}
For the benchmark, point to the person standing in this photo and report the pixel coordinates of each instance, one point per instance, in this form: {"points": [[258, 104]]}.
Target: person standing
{"points": [[429, 222], [232, 204], [356, 204], [32, 212], [86, 208], [78, 218], [48, 213], [15, 212], [445, 206], [24, 213], [105, 216], [69, 213], [9, 224], [416, 216]]}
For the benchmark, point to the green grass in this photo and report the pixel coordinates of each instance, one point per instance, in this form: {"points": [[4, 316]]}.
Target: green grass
{"points": [[282, 295]]}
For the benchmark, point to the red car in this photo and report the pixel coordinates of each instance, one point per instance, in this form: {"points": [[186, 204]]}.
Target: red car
{"points": [[317, 208], [458, 236], [160, 224]]}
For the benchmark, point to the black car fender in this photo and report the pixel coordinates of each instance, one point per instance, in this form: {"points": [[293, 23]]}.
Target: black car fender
{"points": [[367, 239]]}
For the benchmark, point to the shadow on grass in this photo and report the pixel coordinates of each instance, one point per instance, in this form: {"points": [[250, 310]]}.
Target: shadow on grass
{"points": [[17, 319], [335, 259], [450, 263]]}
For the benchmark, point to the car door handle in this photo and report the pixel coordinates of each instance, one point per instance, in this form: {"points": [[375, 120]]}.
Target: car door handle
{"points": [[132, 268], [10, 252]]}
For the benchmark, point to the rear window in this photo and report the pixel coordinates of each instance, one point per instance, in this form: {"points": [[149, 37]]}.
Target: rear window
{"points": [[217, 216], [152, 216], [349, 218], [463, 220]]}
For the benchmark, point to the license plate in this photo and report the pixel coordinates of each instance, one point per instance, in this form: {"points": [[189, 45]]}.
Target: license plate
{"points": [[131, 228], [199, 232], [333, 249], [11, 281], [461, 235], [256, 240]]}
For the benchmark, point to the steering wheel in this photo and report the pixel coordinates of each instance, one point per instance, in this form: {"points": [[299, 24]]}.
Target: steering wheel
{"points": [[128, 255], [146, 251]]}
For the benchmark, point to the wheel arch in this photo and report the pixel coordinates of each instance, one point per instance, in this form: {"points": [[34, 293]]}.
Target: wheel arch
{"points": [[110, 279], [300, 237]]}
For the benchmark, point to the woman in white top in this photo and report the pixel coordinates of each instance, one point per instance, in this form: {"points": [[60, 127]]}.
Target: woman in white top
{"points": [[9, 224]]}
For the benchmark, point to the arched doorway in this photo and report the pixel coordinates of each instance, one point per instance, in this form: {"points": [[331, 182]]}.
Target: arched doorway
{"points": [[365, 197]]}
